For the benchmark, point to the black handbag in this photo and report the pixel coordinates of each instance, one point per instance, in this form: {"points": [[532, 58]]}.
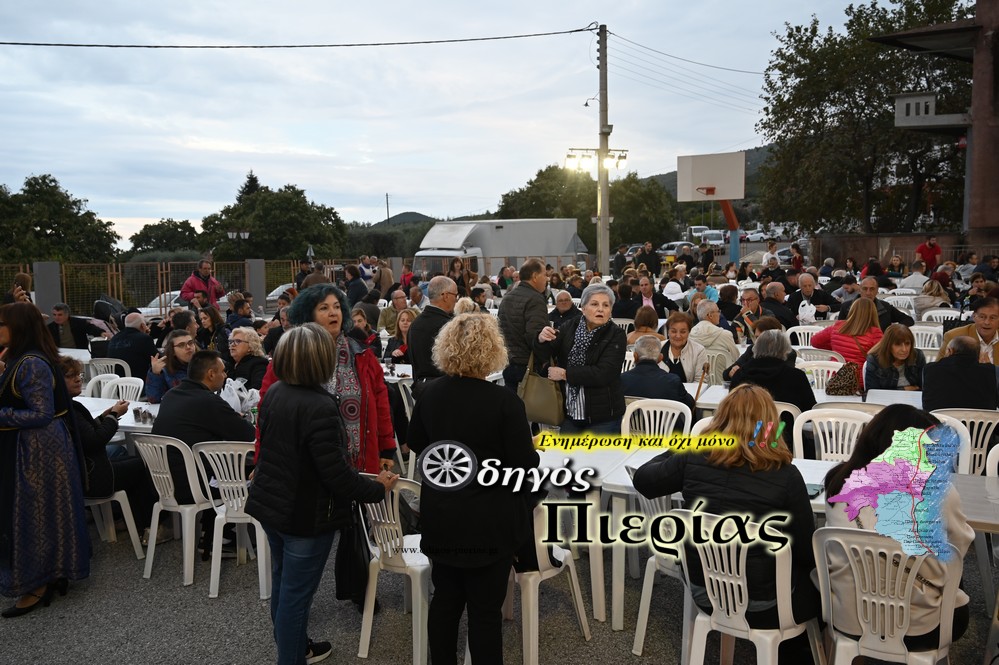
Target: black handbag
{"points": [[352, 557]]}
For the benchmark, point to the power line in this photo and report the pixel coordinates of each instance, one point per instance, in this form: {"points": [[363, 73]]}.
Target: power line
{"points": [[726, 104], [693, 62], [588, 28], [740, 97]]}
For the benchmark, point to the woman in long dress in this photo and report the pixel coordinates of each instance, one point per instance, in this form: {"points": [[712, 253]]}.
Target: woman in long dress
{"points": [[43, 533]]}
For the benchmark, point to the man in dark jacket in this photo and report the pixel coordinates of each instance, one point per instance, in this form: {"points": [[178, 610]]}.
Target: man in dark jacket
{"points": [[304, 270], [959, 380], [648, 296], [619, 262], [522, 315], [70, 333], [356, 288], [443, 294], [240, 317], [775, 303], [193, 412], [650, 258], [565, 310], [887, 314], [824, 303], [133, 345], [647, 379]]}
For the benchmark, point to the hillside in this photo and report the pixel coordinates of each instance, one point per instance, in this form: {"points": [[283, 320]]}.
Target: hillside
{"points": [[404, 219]]}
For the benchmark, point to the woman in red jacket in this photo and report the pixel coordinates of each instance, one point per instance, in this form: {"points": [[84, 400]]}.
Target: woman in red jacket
{"points": [[855, 337], [358, 384]]}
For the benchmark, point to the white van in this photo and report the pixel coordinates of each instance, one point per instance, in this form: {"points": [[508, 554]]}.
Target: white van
{"points": [[695, 233]]}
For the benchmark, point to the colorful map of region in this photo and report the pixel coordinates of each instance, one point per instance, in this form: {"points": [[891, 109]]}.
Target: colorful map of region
{"points": [[905, 486]]}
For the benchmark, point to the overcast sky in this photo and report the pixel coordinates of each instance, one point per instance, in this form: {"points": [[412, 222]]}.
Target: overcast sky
{"points": [[442, 129]]}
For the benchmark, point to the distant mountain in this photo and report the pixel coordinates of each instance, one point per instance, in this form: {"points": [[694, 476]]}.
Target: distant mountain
{"points": [[405, 218], [754, 159]]}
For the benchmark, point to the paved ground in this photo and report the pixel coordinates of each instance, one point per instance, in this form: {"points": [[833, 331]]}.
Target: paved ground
{"points": [[118, 617]]}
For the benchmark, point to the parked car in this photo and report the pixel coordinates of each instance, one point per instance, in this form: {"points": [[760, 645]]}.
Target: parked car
{"points": [[758, 236], [742, 235], [160, 306], [271, 304], [672, 248], [714, 239], [630, 253]]}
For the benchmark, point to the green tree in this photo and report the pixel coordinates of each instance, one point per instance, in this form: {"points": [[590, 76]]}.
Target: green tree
{"points": [[837, 159], [251, 186], [555, 192], [281, 225], [45, 222], [642, 209], [166, 235]]}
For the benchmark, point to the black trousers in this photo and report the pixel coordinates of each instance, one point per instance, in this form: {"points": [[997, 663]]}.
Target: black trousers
{"points": [[481, 591]]}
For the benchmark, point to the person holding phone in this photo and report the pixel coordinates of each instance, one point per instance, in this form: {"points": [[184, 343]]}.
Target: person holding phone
{"points": [[397, 349]]}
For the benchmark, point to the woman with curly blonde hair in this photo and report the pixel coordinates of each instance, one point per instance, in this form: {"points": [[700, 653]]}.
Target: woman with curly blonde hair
{"points": [[754, 476], [471, 564]]}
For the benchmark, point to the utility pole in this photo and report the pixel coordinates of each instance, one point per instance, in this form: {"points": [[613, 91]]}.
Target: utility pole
{"points": [[387, 215], [603, 177]]}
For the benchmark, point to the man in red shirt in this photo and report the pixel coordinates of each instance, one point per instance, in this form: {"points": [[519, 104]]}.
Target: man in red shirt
{"points": [[929, 252]]}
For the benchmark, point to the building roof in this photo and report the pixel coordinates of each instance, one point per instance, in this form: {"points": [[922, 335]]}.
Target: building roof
{"points": [[955, 40]]}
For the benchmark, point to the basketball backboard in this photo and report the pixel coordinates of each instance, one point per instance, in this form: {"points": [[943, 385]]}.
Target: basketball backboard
{"points": [[721, 176]]}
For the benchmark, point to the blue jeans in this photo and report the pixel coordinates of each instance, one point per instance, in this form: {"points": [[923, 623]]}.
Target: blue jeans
{"points": [[297, 566]]}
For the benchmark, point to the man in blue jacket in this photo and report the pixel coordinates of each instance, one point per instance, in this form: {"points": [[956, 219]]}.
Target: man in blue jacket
{"points": [[648, 380]]}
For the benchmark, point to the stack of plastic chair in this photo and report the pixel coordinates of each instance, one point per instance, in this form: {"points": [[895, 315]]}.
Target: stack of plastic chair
{"points": [[95, 387], [153, 450], [110, 366], [228, 462]]}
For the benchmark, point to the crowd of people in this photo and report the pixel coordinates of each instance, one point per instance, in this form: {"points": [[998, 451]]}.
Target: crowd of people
{"points": [[327, 415]]}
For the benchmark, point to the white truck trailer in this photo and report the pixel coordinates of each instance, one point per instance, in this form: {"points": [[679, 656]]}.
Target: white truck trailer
{"points": [[487, 246]]}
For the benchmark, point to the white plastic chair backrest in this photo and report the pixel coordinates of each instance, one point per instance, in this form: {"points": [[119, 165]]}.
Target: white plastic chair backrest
{"points": [[700, 427], [110, 366], [883, 579], [96, 386], [901, 302], [717, 362], [822, 370], [927, 337], [490, 303], [153, 450], [787, 407], [813, 355], [228, 462], [128, 388], [803, 334], [981, 425], [835, 431], [406, 390], [824, 323], [384, 524], [655, 417], [382, 303], [629, 362], [724, 568], [652, 508], [904, 292], [866, 407], [992, 463], [624, 324], [966, 455], [576, 301], [940, 314]]}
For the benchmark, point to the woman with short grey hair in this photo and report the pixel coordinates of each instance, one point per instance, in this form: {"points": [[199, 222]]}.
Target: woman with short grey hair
{"points": [[587, 353], [772, 344]]}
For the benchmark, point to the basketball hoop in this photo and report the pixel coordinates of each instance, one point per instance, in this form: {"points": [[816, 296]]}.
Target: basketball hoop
{"points": [[707, 191]]}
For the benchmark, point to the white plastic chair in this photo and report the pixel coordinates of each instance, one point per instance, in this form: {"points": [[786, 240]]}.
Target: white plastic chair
{"points": [[153, 450], [927, 337], [903, 303], [724, 568], [940, 314], [95, 387], [819, 355], [382, 303], [529, 582], [663, 564], [627, 325], [396, 553], [904, 292], [717, 362], [883, 579], [821, 371], [824, 323], [109, 366], [700, 427], [981, 425], [835, 432], [128, 388], [104, 520], [629, 362], [406, 390], [655, 417], [228, 463], [802, 333]]}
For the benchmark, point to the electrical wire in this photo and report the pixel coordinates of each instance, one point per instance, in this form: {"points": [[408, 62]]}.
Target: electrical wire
{"points": [[740, 97], [588, 28], [693, 62], [726, 104]]}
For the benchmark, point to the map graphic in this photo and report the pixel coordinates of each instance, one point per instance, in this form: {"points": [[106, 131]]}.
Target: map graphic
{"points": [[906, 486]]}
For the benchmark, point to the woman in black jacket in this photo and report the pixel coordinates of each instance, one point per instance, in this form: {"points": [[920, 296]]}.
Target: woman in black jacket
{"points": [[248, 360], [105, 476], [213, 333], [470, 531], [589, 352], [303, 485], [895, 363]]}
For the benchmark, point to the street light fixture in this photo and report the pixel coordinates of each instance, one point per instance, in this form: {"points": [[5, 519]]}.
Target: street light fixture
{"points": [[241, 234]]}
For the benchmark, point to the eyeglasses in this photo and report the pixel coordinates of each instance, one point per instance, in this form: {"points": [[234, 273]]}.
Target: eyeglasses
{"points": [[182, 345], [237, 342], [750, 299], [70, 377]]}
